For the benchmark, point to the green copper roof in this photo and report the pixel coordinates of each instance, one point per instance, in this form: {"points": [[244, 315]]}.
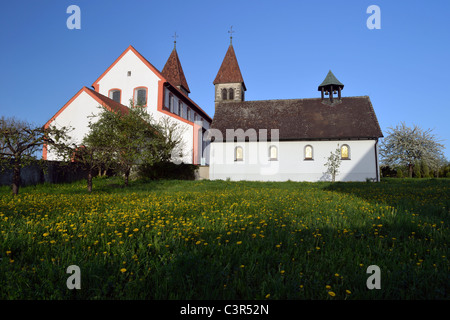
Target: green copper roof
{"points": [[330, 80]]}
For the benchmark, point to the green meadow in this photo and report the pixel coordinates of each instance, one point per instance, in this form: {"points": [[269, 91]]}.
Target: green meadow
{"points": [[226, 240]]}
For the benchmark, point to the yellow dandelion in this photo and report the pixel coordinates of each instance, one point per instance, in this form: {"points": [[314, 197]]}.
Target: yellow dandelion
{"points": [[268, 296], [45, 234], [348, 291], [328, 287], [123, 270], [239, 242], [331, 293]]}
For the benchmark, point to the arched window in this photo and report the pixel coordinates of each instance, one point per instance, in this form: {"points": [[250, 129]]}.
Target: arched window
{"points": [[114, 94], [308, 152], [231, 94], [224, 94], [273, 153], [345, 152], [238, 154], [140, 96]]}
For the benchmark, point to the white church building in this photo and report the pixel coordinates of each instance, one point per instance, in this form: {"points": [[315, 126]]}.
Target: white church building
{"points": [[280, 140], [263, 140], [163, 93]]}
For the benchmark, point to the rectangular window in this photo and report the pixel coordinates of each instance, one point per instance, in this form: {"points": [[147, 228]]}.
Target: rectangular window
{"points": [[170, 102]]}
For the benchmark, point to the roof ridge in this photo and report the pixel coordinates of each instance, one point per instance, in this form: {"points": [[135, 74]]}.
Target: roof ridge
{"points": [[291, 99]]}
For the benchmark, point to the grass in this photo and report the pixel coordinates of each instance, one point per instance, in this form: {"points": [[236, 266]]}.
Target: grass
{"points": [[226, 240]]}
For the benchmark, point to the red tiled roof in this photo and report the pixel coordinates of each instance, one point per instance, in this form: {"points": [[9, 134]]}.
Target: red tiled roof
{"points": [[107, 102], [173, 71], [229, 71]]}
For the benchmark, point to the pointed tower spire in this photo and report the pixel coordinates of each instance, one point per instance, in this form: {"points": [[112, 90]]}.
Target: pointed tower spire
{"points": [[173, 71], [229, 71], [229, 84], [330, 85]]}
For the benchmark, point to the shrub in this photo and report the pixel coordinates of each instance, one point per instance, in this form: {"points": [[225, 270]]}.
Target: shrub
{"points": [[168, 170]]}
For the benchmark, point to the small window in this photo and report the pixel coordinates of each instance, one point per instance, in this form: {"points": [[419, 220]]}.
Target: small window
{"points": [[308, 153], [238, 154], [273, 153], [171, 102], [231, 94], [115, 95], [176, 107], [129, 73], [140, 95], [188, 113], [180, 108], [345, 152], [224, 94]]}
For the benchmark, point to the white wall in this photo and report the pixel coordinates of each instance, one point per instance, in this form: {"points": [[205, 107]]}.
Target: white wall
{"points": [[76, 115], [142, 76], [291, 164]]}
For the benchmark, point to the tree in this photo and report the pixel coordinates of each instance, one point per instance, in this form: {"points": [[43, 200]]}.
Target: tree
{"points": [[19, 142], [424, 169], [130, 138], [333, 163], [404, 146], [91, 157]]}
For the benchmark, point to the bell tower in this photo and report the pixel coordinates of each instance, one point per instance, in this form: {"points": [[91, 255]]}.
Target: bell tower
{"points": [[331, 86], [229, 85]]}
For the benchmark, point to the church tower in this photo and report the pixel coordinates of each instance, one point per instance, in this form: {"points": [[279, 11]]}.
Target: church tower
{"points": [[173, 71], [229, 84]]}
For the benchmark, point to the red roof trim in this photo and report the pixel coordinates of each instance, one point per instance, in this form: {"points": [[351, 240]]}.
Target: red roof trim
{"points": [[101, 99], [95, 85]]}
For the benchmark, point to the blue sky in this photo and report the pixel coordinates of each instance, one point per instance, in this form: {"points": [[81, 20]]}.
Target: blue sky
{"points": [[284, 48]]}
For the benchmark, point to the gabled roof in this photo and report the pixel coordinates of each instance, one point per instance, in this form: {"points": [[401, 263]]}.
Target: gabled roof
{"points": [[132, 49], [173, 71], [330, 79], [229, 71], [155, 71], [101, 99], [107, 102], [301, 119]]}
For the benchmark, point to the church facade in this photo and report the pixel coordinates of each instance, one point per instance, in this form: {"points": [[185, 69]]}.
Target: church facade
{"points": [[162, 93], [280, 140]]}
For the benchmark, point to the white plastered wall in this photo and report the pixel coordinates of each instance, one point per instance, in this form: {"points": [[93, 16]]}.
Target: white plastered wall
{"points": [[142, 76], [76, 116], [291, 164]]}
